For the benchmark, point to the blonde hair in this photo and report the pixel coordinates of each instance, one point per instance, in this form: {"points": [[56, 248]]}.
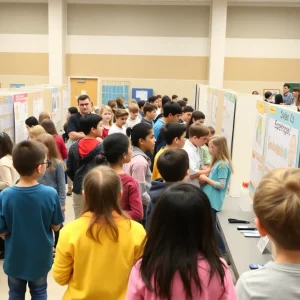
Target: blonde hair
{"points": [[36, 131], [277, 206], [133, 101], [102, 187], [119, 112], [108, 108], [53, 154], [298, 101], [43, 116], [223, 153]]}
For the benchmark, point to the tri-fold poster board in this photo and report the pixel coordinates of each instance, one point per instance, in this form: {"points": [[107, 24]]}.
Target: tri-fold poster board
{"points": [[16, 105]]}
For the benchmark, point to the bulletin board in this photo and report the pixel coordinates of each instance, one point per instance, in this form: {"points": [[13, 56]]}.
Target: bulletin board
{"points": [[114, 89], [141, 94]]}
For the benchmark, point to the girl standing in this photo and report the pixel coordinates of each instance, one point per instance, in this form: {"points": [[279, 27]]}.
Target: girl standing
{"points": [[118, 151], [43, 116], [49, 127], [120, 102], [107, 115], [181, 259], [55, 174], [142, 139], [218, 180], [197, 117], [96, 252], [121, 116]]}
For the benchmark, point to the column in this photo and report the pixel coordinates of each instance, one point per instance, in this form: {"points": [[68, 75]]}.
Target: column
{"points": [[57, 10], [218, 21]]}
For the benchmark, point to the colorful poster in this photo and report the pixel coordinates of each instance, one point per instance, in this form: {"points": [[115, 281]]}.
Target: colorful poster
{"points": [[228, 118], [214, 106], [282, 148], [37, 105], [7, 116], [21, 114]]}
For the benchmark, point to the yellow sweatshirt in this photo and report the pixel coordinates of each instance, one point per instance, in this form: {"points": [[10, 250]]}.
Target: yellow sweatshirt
{"points": [[94, 270]]}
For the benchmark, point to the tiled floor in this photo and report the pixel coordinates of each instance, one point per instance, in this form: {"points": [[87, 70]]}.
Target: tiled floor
{"points": [[55, 291]]}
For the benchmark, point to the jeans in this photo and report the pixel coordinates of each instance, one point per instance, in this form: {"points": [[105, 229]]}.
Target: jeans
{"points": [[218, 234], [17, 288]]}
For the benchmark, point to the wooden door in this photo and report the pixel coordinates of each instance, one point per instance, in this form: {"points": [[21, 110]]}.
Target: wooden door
{"points": [[87, 86]]}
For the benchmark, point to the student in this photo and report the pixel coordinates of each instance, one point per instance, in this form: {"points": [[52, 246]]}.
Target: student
{"points": [[174, 98], [198, 137], [29, 211], [113, 105], [171, 114], [173, 165], [296, 93], [74, 130], [181, 258], [218, 180], [279, 99], [174, 136], [287, 96], [297, 103], [149, 114], [255, 93], [31, 122], [8, 174], [142, 139], [96, 252], [121, 116], [141, 105], [159, 101], [185, 99], [268, 97], [117, 151], [107, 116], [204, 150], [153, 100], [164, 101], [36, 131], [276, 205], [186, 115], [133, 115], [120, 102], [71, 111], [197, 117], [49, 127], [55, 174], [182, 104], [43, 116], [82, 156]]}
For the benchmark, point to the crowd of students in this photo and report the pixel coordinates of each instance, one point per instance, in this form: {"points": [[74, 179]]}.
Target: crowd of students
{"points": [[147, 182]]}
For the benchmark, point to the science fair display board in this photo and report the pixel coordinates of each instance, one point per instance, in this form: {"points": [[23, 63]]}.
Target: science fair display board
{"points": [[20, 115], [7, 115]]}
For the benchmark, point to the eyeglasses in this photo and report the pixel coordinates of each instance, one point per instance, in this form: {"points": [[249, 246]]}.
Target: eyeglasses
{"points": [[47, 163]]}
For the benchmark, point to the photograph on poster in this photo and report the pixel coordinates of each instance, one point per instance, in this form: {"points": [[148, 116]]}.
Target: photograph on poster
{"points": [[282, 149], [228, 118]]}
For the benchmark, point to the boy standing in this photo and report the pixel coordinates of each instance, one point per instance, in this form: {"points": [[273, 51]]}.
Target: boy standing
{"points": [[277, 208], [28, 212], [141, 104], [186, 114], [198, 136], [288, 98], [173, 165], [82, 155], [149, 114], [133, 115]]}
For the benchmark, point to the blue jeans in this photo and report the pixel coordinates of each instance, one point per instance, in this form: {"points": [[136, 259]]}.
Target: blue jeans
{"points": [[17, 288]]}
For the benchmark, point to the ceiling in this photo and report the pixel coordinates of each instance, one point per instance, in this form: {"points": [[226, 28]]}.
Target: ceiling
{"points": [[285, 3]]}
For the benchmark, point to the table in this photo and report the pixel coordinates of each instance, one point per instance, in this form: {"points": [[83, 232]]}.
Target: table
{"points": [[242, 251]]}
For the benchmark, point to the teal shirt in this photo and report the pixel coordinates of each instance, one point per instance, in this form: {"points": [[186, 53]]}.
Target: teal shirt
{"points": [[221, 170]]}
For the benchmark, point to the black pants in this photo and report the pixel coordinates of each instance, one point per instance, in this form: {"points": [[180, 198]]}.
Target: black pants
{"points": [[56, 236], [218, 234]]}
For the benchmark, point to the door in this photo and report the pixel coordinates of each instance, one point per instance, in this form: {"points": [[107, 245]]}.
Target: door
{"points": [[84, 86]]}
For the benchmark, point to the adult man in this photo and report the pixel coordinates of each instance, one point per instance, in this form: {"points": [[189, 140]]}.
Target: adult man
{"points": [[288, 98], [74, 129]]}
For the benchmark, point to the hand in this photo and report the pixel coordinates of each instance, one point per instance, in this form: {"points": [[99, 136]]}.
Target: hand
{"points": [[2, 235], [207, 170], [203, 177], [63, 208]]}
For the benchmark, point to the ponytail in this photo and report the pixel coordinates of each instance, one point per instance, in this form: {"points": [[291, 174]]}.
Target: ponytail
{"points": [[137, 132]]}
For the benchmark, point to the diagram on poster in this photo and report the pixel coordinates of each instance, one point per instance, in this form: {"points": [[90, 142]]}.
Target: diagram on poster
{"points": [[214, 107], [282, 149], [259, 135], [37, 105], [228, 118], [21, 114], [7, 116]]}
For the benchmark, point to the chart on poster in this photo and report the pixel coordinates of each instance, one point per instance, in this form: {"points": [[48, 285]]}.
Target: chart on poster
{"points": [[7, 116], [21, 114]]}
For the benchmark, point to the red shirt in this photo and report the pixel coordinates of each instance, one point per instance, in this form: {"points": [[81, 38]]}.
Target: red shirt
{"points": [[61, 147], [131, 201], [86, 145], [105, 132]]}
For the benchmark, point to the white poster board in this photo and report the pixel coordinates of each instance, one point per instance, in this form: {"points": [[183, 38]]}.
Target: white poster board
{"points": [[37, 105], [214, 107], [21, 114], [7, 116]]}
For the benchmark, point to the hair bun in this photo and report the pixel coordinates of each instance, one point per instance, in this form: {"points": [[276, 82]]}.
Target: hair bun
{"points": [[293, 185], [100, 159]]}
